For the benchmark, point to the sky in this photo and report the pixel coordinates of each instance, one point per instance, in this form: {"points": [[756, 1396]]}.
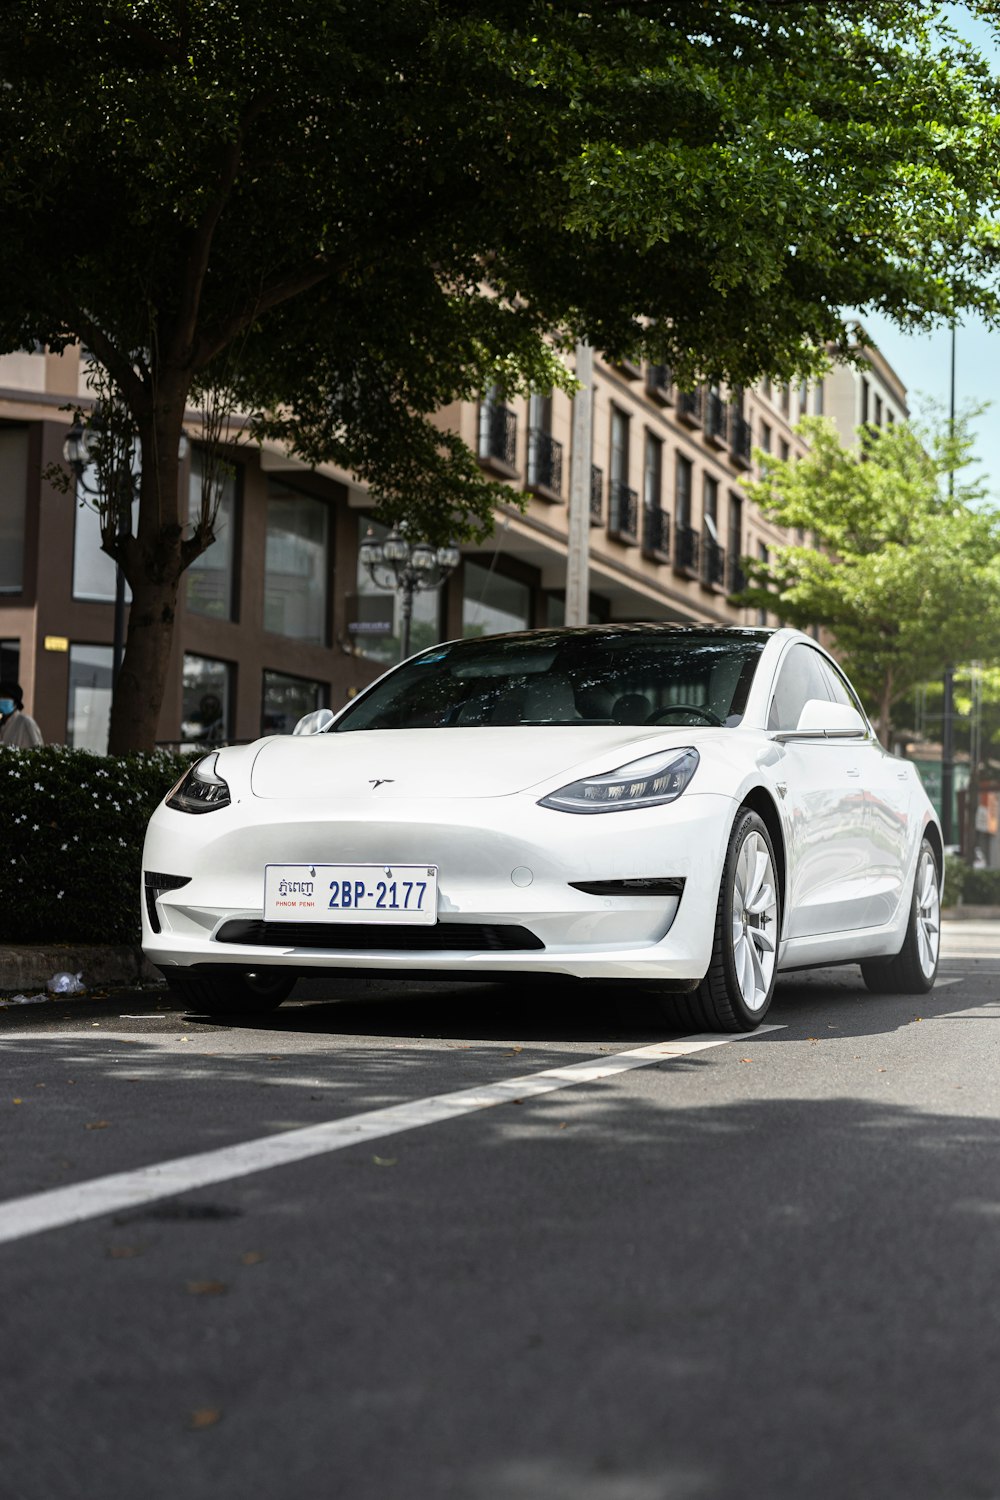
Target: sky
{"points": [[923, 362]]}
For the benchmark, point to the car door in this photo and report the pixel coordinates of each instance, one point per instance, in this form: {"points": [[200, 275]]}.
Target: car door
{"points": [[887, 784], [822, 784]]}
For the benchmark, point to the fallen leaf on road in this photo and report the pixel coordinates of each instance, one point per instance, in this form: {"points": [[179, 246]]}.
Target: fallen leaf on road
{"points": [[207, 1288], [746, 1059], [252, 1257], [125, 1252], [97, 1125], [17, 1101], [882, 1070], [514, 1051], [205, 1416], [385, 1161]]}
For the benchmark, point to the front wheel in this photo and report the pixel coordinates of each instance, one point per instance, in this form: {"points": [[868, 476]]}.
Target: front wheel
{"points": [[735, 994], [913, 969], [231, 992]]}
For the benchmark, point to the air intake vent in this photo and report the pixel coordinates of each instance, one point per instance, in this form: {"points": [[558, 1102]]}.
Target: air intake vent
{"points": [[442, 937], [155, 884]]}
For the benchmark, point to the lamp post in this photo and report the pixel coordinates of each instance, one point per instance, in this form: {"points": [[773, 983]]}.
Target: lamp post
{"points": [[80, 449], [407, 568]]}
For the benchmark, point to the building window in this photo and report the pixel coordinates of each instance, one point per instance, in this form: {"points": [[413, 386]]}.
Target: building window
{"points": [[818, 398], [378, 643], [682, 491], [786, 399], [803, 398], [286, 699], [493, 603], [765, 437], [88, 712], [619, 446], [735, 579], [296, 565], [210, 580], [865, 394], [652, 478], [878, 411], [10, 661], [762, 557], [206, 703], [497, 429], [13, 506], [784, 451], [94, 572]]}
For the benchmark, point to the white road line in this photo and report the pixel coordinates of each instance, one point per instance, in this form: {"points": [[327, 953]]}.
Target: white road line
{"points": [[128, 1190]]}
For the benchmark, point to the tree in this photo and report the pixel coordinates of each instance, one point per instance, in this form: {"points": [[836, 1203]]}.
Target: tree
{"points": [[902, 567], [340, 218]]}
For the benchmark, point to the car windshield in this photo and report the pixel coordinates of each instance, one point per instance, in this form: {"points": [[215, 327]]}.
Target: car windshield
{"points": [[628, 675]]}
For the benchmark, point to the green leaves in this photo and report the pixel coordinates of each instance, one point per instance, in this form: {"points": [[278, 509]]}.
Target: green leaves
{"points": [[903, 574]]}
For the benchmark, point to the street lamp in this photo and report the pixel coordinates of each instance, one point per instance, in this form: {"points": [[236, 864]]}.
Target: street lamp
{"points": [[407, 568], [81, 449]]}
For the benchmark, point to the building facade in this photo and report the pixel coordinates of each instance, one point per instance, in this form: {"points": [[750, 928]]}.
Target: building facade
{"points": [[278, 617]]}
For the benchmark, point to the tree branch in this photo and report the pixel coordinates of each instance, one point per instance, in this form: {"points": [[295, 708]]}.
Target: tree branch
{"points": [[118, 365]]}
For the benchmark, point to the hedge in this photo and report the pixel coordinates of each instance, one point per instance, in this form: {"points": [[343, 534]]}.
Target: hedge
{"points": [[73, 826]]}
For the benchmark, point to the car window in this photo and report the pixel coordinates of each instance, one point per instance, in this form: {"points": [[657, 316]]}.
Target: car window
{"points": [[629, 675], [800, 678], [838, 688]]}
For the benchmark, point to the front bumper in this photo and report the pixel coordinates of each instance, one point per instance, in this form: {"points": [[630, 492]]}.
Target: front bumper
{"points": [[503, 862]]}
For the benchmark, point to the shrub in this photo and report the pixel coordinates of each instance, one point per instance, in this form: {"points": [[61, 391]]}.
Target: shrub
{"points": [[981, 888], [74, 825], [955, 871]]}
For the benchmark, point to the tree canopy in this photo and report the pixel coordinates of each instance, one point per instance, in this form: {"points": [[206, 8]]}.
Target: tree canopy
{"points": [[348, 216], [904, 567]]}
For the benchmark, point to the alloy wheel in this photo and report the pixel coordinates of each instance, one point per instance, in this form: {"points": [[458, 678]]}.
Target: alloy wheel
{"points": [[755, 921]]}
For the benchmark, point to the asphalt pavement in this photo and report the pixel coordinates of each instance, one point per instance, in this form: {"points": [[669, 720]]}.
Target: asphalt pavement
{"points": [[355, 1251]]}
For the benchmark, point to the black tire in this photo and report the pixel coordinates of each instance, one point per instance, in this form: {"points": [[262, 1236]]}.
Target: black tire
{"points": [[913, 969], [720, 1003], [231, 992]]}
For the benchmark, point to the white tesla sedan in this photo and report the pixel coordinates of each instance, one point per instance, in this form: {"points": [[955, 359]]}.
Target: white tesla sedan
{"points": [[701, 808]]}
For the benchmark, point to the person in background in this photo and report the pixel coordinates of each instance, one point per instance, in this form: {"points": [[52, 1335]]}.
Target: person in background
{"points": [[18, 730]]}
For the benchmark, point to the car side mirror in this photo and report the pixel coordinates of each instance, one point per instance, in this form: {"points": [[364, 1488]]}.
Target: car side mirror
{"points": [[315, 723], [836, 720]]}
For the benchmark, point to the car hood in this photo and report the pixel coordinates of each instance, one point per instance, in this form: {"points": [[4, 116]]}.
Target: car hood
{"points": [[470, 762]]}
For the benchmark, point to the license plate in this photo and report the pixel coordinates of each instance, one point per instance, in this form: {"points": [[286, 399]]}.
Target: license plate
{"points": [[351, 893]]}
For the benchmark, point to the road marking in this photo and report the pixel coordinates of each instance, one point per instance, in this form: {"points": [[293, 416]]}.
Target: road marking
{"points": [[939, 984], [128, 1190]]}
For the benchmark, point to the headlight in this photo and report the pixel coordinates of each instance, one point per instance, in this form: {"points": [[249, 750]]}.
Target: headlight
{"points": [[200, 790], [642, 783]]}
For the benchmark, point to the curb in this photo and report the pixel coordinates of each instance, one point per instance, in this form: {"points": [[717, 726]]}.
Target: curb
{"points": [[970, 913], [30, 967]]}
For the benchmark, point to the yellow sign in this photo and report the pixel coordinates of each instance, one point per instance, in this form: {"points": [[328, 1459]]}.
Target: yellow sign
{"points": [[56, 643]]}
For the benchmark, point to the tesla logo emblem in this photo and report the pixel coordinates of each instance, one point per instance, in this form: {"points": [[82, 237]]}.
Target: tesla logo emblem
{"points": [[382, 781]]}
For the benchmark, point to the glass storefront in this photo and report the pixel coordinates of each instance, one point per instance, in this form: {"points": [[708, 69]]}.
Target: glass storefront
{"points": [[207, 696], [94, 572], [296, 567], [492, 603], [286, 699], [13, 505], [89, 707], [210, 580]]}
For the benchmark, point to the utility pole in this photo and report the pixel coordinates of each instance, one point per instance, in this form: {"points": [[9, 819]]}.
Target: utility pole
{"points": [[948, 723], [578, 542]]}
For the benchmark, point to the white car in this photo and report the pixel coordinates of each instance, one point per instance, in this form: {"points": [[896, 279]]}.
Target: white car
{"points": [[701, 808]]}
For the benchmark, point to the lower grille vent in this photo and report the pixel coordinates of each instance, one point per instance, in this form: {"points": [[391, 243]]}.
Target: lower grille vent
{"points": [[442, 937]]}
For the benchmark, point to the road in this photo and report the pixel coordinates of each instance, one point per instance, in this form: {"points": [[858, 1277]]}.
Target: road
{"points": [[763, 1269]]}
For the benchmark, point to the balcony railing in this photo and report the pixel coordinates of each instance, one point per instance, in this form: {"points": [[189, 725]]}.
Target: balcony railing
{"points": [[623, 512], [740, 439], [686, 549], [497, 433], [689, 407], [544, 461], [655, 533], [596, 496], [715, 418], [713, 563], [660, 383]]}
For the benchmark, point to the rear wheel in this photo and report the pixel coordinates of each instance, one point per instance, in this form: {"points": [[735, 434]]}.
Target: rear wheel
{"points": [[231, 992], [913, 969], [735, 994]]}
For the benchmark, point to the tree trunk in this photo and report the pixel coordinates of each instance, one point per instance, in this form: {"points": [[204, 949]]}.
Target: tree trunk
{"points": [[153, 562], [885, 711]]}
